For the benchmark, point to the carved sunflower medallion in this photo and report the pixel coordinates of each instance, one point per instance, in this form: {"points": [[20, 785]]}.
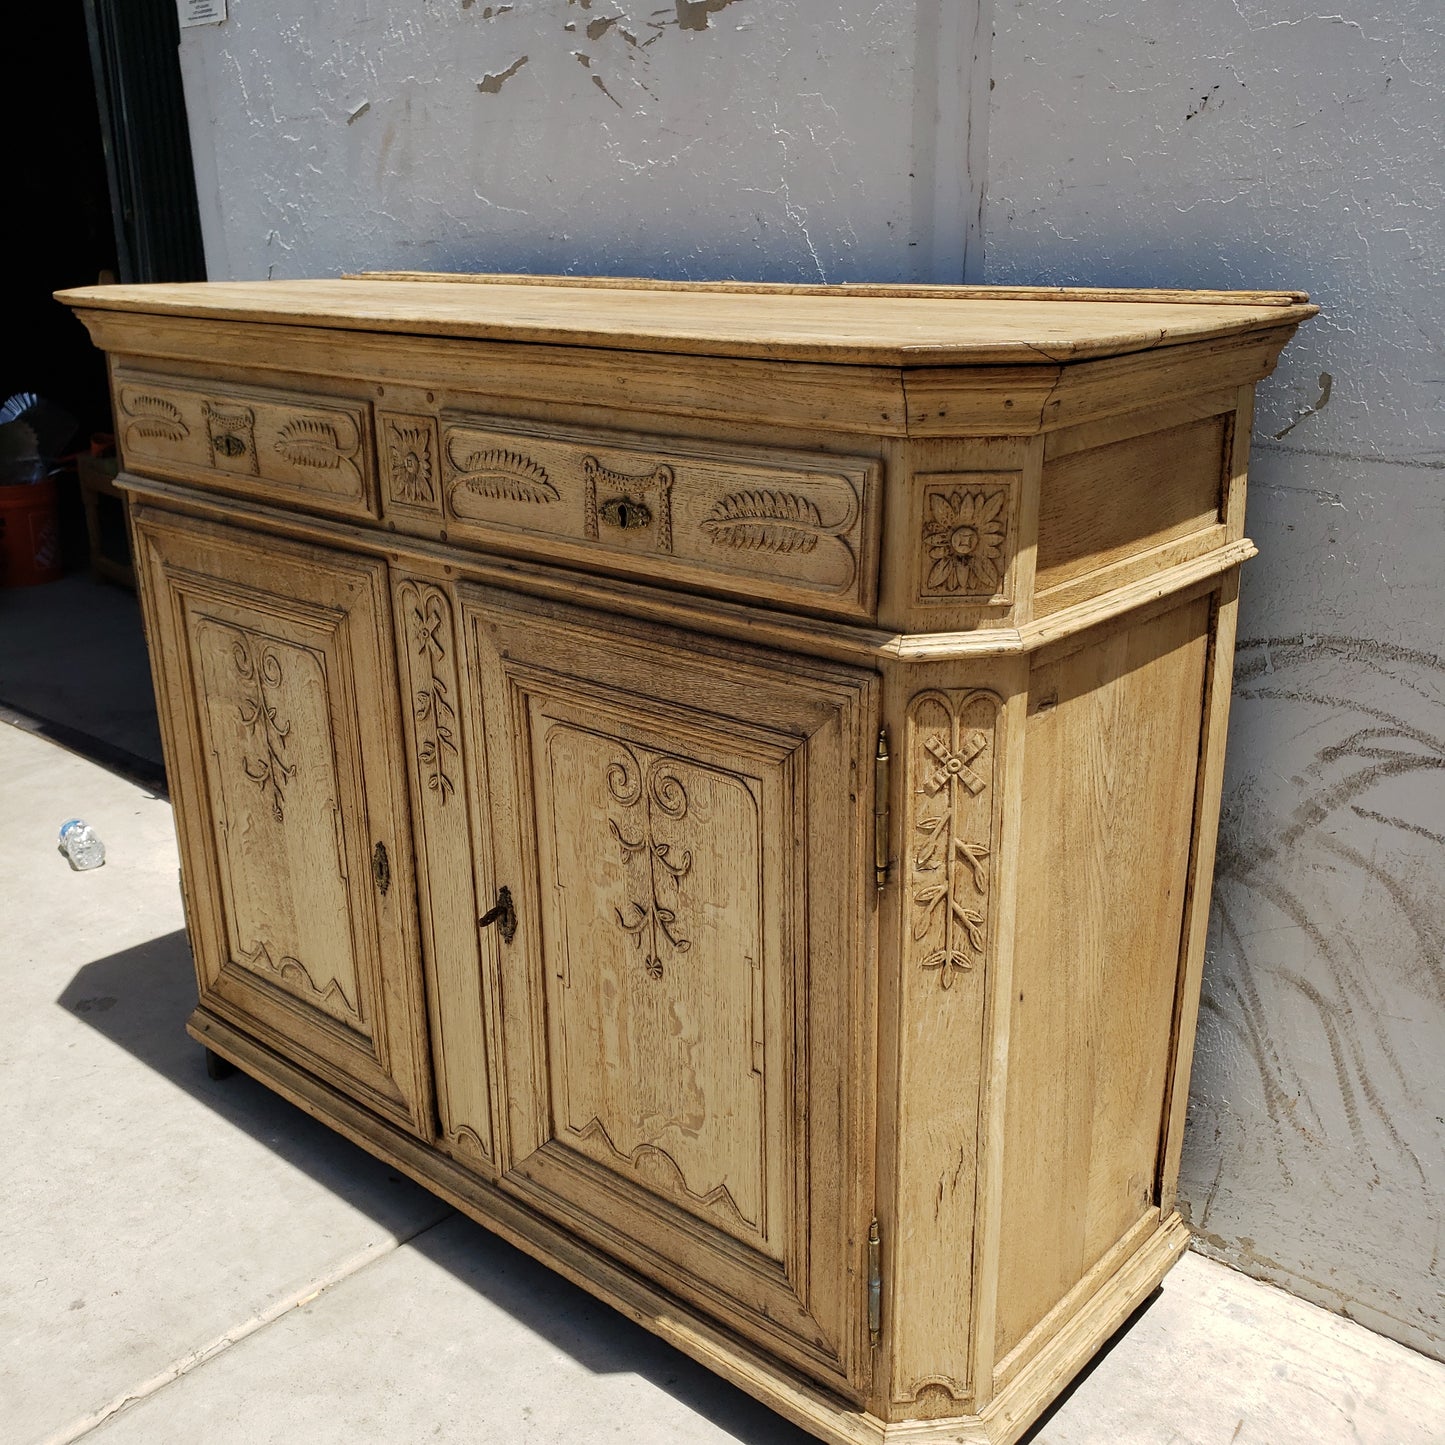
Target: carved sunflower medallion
{"points": [[965, 542], [410, 455]]}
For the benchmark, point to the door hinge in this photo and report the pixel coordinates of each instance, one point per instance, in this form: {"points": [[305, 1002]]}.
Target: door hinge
{"points": [[875, 1285], [882, 776]]}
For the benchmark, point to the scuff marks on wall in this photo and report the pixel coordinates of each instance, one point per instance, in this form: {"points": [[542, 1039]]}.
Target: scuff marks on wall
{"points": [[1327, 964], [1327, 385]]}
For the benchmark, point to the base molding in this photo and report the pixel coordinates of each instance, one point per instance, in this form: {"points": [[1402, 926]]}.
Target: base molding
{"points": [[830, 1418]]}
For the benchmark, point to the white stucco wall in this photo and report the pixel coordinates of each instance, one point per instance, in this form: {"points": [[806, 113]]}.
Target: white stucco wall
{"points": [[778, 139], [1215, 143], [1256, 143]]}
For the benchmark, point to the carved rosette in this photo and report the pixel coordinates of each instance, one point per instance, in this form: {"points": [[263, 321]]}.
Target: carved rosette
{"points": [[966, 544], [433, 683], [950, 830], [409, 455]]}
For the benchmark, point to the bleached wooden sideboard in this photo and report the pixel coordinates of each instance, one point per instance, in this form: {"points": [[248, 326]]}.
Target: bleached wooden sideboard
{"points": [[718, 782]]}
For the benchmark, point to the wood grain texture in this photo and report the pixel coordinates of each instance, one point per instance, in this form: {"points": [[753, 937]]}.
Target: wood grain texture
{"points": [[306, 449], [460, 990], [707, 777], [795, 527], [680, 825], [853, 288], [1112, 748], [275, 666], [1104, 504], [822, 325]]}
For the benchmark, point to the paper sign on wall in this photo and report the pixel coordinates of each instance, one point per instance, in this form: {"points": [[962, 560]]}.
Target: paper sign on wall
{"points": [[202, 12]]}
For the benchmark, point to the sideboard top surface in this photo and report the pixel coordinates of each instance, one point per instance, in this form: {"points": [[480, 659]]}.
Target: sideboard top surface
{"points": [[864, 325]]}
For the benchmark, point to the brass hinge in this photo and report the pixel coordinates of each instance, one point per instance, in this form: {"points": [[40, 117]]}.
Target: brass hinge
{"points": [[882, 772], [875, 1285]]}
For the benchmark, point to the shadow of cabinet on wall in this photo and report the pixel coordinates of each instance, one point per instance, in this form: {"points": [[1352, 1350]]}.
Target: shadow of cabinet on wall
{"points": [[717, 782]]}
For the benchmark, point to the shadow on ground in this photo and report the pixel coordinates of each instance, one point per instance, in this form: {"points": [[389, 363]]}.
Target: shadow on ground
{"points": [[140, 998]]}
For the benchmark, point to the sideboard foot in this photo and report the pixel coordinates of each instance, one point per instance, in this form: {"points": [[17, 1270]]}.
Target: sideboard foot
{"points": [[217, 1067]]}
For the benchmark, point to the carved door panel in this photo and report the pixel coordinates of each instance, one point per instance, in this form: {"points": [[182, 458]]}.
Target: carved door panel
{"points": [[276, 678], [681, 825]]}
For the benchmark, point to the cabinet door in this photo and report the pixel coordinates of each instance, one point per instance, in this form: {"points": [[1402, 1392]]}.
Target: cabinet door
{"points": [[275, 671], [681, 825]]}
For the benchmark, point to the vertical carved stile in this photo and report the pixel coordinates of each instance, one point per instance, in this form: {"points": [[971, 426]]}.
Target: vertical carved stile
{"points": [[433, 674], [428, 659], [947, 851]]}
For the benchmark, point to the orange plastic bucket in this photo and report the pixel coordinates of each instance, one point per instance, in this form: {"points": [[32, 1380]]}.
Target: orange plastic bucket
{"points": [[29, 534]]}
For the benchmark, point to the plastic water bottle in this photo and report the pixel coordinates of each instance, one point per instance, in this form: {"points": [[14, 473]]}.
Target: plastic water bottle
{"points": [[81, 845]]}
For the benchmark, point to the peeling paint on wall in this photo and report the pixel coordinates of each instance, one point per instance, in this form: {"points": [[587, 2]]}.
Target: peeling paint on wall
{"points": [[778, 141], [492, 84]]}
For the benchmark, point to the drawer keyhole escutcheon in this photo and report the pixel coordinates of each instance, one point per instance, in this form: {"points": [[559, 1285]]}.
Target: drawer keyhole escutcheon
{"points": [[503, 914], [625, 512]]}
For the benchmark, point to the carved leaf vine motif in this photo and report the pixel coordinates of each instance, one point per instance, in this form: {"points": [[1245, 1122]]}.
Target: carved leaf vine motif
{"points": [[259, 668], [498, 473], [653, 790], [765, 522], [435, 713], [152, 418], [312, 441], [950, 871], [782, 523]]}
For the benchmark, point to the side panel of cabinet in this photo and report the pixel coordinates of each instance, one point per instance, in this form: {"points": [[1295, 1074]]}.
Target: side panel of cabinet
{"points": [[681, 824], [275, 670], [1111, 756]]}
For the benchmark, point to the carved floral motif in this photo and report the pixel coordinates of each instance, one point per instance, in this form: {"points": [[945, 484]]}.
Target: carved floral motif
{"points": [[259, 669], [410, 453], [964, 531], [951, 830], [649, 919]]}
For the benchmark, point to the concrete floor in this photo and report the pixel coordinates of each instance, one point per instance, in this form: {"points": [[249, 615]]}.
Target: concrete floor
{"points": [[186, 1260]]}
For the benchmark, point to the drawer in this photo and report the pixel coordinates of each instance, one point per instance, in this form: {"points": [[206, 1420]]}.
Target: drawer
{"points": [[765, 524], [294, 447]]}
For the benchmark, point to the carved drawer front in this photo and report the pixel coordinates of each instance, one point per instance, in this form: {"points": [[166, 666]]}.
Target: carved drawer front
{"points": [[690, 899], [777, 525], [311, 451], [275, 679]]}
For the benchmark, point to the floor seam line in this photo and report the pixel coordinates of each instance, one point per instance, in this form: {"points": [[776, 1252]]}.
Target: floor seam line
{"points": [[278, 1309]]}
